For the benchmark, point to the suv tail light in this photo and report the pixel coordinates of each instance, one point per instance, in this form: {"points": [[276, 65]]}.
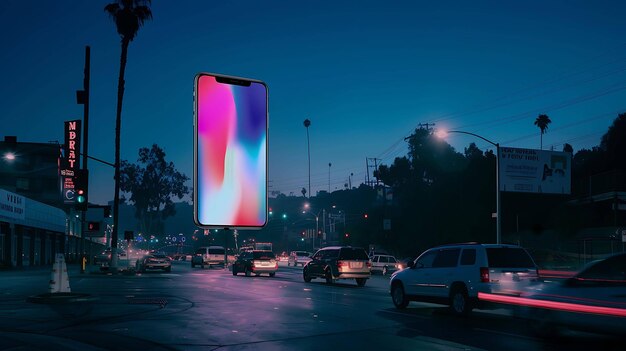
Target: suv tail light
{"points": [[342, 264], [369, 264], [484, 275]]}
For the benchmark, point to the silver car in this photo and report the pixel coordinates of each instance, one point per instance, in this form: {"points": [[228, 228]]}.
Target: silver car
{"points": [[299, 258], [384, 264]]}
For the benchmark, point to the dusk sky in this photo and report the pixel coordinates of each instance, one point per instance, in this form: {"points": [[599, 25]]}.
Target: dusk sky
{"points": [[365, 73]]}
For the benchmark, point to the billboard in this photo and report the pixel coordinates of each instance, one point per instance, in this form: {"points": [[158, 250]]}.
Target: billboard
{"points": [[535, 171]]}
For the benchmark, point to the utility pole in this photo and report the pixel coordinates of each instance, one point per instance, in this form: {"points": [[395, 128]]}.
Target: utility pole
{"points": [[371, 163], [82, 97], [427, 126]]}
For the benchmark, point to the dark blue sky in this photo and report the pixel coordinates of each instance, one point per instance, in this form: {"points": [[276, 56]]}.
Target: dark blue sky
{"points": [[364, 72]]}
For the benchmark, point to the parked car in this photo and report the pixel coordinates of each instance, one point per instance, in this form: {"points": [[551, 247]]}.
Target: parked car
{"points": [[455, 274], [594, 300], [256, 262], [338, 262], [298, 258], [154, 261], [208, 256], [384, 264]]}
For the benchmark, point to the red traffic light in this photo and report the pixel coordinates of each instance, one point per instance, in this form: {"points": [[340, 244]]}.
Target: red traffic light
{"points": [[365, 215]]}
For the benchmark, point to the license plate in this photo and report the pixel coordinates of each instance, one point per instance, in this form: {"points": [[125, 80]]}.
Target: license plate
{"points": [[356, 264]]}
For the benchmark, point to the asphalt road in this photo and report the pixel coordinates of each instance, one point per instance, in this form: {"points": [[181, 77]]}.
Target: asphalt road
{"points": [[210, 309]]}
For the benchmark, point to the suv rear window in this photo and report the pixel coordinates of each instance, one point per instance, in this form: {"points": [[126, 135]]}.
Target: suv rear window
{"points": [[261, 255], [508, 257], [216, 251], [353, 254]]}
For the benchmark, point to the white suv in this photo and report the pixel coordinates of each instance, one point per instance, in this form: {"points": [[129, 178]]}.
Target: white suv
{"points": [[454, 274]]}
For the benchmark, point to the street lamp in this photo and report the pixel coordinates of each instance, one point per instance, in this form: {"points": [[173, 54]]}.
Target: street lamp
{"points": [[307, 123], [9, 156], [442, 134], [317, 221]]}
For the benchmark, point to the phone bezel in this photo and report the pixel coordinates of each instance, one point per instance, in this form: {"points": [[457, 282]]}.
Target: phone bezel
{"points": [[233, 80]]}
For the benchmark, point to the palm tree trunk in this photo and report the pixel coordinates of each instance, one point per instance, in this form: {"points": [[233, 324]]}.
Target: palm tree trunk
{"points": [[118, 122], [541, 141]]}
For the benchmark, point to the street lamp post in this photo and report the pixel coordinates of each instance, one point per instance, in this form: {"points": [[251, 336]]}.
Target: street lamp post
{"points": [[442, 134], [307, 123], [317, 221], [329, 164]]}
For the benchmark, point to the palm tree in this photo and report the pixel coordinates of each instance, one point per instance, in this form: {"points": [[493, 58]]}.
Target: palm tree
{"points": [[129, 16], [542, 122]]}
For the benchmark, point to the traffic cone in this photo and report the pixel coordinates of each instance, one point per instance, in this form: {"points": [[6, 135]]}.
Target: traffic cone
{"points": [[59, 280]]}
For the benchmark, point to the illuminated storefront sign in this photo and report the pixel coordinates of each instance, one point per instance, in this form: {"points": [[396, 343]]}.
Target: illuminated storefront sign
{"points": [[71, 161]]}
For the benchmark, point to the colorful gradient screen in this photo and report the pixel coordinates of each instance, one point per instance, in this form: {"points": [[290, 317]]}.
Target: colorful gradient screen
{"points": [[231, 181]]}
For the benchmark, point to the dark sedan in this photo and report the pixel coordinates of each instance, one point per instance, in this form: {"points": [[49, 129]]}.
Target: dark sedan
{"points": [[256, 262]]}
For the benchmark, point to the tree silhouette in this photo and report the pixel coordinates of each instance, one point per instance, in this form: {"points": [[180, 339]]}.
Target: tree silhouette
{"points": [[129, 16], [542, 122], [613, 143], [152, 182], [568, 148]]}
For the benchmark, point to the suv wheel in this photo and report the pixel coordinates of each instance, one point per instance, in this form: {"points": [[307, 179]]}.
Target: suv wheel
{"points": [[361, 281], [398, 297], [329, 277], [247, 272], [193, 265], [459, 301], [306, 276], [234, 270]]}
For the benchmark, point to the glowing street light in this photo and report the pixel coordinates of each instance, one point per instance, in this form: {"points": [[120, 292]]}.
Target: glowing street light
{"points": [[442, 134], [9, 156]]}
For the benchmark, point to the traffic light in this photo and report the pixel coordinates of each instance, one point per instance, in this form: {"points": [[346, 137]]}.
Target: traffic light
{"points": [[93, 226], [81, 183]]}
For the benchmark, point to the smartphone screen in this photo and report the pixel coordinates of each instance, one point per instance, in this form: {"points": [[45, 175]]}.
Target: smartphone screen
{"points": [[230, 158]]}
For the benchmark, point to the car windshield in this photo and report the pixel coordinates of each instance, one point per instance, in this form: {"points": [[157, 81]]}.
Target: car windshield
{"points": [[263, 255], [302, 253], [353, 254], [216, 251]]}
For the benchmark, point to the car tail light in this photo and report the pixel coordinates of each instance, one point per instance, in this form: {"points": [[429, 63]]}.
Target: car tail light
{"points": [[341, 265], [369, 264], [484, 275]]}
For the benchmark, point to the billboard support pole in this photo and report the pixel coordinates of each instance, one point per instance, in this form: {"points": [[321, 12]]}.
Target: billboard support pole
{"points": [[498, 213]]}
